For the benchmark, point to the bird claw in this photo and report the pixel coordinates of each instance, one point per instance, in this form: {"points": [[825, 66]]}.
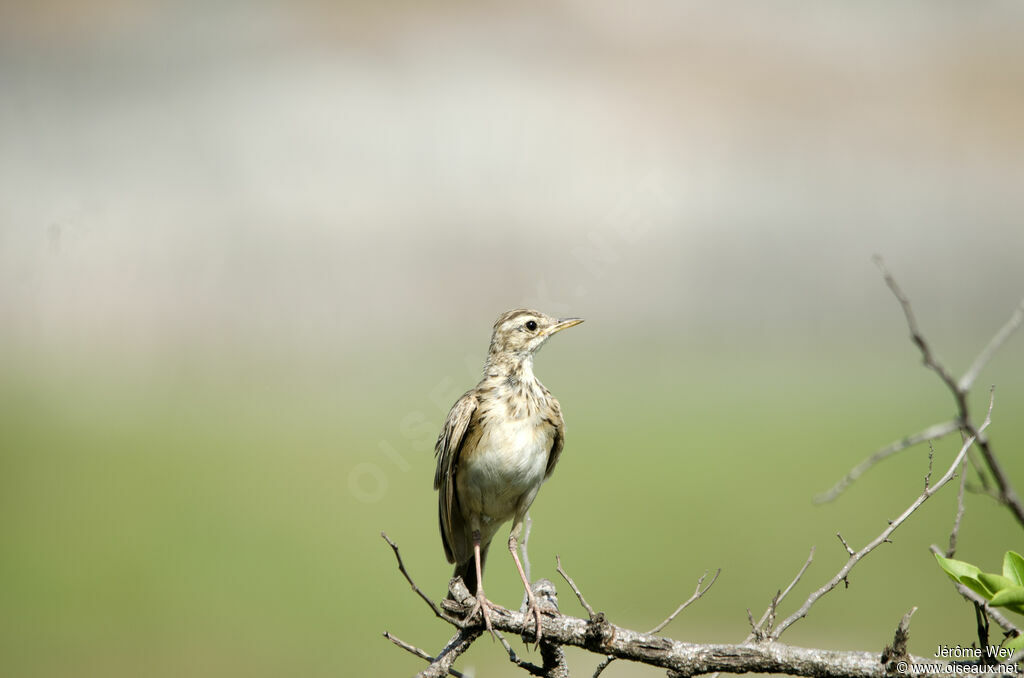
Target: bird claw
{"points": [[484, 607], [532, 610]]}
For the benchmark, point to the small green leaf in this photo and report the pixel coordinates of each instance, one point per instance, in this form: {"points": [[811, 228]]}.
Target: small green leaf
{"points": [[1013, 595], [1013, 567], [957, 568], [996, 582], [1014, 643], [977, 586]]}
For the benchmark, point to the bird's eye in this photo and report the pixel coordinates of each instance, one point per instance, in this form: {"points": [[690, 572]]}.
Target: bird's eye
{"points": [[531, 325]]}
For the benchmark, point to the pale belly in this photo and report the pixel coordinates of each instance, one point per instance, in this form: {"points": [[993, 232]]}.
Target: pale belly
{"points": [[503, 477]]}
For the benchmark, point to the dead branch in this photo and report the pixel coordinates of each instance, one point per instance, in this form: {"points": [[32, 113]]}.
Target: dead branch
{"points": [[401, 567], [758, 631], [960, 389], [575, 589], [955, 532], [418, 652], [933, 432], [886, 533], [688, 659], [698, 592]]}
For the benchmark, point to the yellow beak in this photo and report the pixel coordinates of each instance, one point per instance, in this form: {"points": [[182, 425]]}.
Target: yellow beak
{"points": [[564, 323]]}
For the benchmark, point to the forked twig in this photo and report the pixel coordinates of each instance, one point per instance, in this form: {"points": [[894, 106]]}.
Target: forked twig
{"points": [[698, 592], [1007, 495], [405, 573], [769, 613], [575, 589]]}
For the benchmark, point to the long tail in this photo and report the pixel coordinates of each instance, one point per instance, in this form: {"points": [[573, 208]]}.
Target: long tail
{"points": [[467, 569]]}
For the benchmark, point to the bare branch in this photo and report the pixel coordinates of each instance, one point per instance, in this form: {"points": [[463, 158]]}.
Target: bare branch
{"points": [[847, 546], [897, 652], [442, 665], [931, 460], [1007, 495], [532, 669], [915, 334], [688, 658], [575, 589], [986, 354], [933, 432], [886, 533], [418, 652], [697, 593], [769, 613], [955, 532], [401, 567]]}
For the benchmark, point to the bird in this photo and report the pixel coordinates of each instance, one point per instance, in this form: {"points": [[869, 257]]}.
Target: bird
{"points": [[500, 442]]}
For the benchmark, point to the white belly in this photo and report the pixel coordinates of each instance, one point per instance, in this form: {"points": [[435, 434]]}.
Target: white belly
{"points": [[507, 470]]}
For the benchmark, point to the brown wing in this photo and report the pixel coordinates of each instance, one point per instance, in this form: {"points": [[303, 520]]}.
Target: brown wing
{"points": [[556, 420], [449, 445]]}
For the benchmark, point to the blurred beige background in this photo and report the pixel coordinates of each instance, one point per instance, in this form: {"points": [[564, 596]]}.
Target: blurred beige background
{"points": [[251, 252]]}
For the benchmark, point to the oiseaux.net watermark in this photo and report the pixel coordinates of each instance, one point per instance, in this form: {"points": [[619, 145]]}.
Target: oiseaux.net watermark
{"points": [[966, 660]]}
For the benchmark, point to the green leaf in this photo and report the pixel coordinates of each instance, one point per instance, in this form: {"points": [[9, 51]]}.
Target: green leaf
{"points": [[1015, 643], [957, 568], [1013, 567], [996, 582], [975, 585], [1013, 595]]}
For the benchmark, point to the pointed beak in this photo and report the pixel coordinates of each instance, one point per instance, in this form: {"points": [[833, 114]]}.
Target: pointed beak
{"points": [[564, 323]]}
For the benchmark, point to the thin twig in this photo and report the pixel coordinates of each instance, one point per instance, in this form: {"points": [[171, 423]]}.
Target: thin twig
{"points": [[986, 354], [401, 567], [847, 546], [915, 333], [575, 589], [979, 468], [955, 532], [532, 669], [886, 533], [779, 597], [418, 652], [933, 432], [697, 593], [931, 459]]}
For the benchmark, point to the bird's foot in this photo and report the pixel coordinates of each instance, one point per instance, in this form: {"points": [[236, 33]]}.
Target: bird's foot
{"points": [[532, 610], [485, 607]]}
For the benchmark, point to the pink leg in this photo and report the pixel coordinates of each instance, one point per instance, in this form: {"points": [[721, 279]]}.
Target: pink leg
{"points": [[532, 608]]}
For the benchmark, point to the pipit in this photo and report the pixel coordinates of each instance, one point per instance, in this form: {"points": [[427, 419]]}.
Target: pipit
{"points": [[501, 440]]}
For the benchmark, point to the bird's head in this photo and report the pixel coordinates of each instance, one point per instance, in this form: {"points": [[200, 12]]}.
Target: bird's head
{"points": [[520, 332]]}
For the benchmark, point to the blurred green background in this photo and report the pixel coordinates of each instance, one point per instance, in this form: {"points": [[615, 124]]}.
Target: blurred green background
{"points": [[250, 254]]}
